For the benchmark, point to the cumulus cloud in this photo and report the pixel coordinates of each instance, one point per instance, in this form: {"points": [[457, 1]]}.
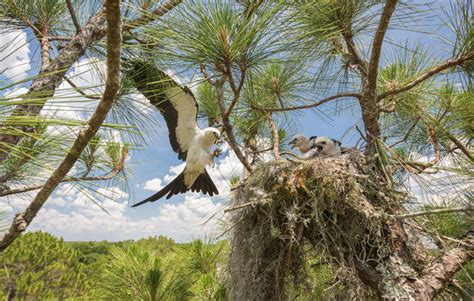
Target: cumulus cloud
{"points": [[444, 188], [78, 218], [153, 185], [74, 216], [14, 54]]}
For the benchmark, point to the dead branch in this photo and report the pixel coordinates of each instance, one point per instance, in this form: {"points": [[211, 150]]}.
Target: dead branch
{"points": [[436, 211], [239, 207]]}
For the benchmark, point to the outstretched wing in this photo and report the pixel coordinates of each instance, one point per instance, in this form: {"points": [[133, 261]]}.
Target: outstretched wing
{"points": [[202, 184], [175, 102]]}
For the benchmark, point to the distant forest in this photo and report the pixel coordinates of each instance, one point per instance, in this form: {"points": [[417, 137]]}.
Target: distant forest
{"points": [[43, 267]]}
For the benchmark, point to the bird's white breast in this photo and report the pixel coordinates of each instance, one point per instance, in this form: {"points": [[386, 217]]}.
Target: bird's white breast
{"points": [[197, 159]]}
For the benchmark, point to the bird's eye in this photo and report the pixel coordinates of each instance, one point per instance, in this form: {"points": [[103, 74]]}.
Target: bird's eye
{"points": [[324, 142]]}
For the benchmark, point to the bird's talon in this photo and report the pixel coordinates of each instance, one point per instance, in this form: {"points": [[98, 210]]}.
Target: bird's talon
{"points": [[217, 152]]}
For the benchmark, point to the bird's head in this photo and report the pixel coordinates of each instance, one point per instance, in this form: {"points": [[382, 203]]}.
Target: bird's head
{"points": [[298, 141], [212, 136], [325, 144]]}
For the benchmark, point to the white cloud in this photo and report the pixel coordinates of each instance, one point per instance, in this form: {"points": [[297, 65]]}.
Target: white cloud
{"points": [[80, 219], [153, 185], [173, 172], [444, 188], [74, 216], [5, 208], [14, 54]]}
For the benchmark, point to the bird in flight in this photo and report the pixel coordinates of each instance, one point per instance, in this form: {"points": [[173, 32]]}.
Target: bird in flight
{"points": [[193, 144]]}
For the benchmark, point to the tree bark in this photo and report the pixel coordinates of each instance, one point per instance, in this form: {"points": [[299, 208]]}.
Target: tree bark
{"points": [[228, 128], [275, 137]]}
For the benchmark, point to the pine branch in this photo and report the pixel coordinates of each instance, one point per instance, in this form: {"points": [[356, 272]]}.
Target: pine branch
{"points": [[235, 89], [79, 90], [87, 132], [461, 146], [85, 178], [65, 180], [387, 12], [308, 106], [407, 134], [228, 129], [433, 71], [45, 84], [45, 46], [353, 55], [70, 7], [149, 17]]}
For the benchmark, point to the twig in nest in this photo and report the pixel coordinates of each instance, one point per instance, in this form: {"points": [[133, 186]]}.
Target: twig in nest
{"points": [[293, 155], [237, 187], [436, 211], [239, 207]]}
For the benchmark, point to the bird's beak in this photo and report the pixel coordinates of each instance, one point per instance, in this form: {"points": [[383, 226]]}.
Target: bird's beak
{"points": [[292, 143], [219, 140]]}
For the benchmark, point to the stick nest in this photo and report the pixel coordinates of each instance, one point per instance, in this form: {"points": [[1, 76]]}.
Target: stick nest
{"points": [[289, 210]]}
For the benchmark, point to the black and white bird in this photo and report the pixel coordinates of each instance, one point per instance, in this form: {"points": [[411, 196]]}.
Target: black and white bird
{"points": [[316, 146], [324, 146], [193, 144]]}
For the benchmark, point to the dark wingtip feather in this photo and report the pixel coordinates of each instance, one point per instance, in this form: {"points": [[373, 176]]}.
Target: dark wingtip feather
{"points": [[202, 184], [174, 187]]}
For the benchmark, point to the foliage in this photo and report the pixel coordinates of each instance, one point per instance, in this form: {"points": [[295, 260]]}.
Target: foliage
{"points": [[202, 260], [42, 266], [132, 274]]}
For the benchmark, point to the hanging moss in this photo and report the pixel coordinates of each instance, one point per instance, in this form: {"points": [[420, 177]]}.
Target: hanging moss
{"points": [[331, 204]]}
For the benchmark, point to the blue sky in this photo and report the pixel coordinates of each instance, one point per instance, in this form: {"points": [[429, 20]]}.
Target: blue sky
{"points": [[73, 216]]}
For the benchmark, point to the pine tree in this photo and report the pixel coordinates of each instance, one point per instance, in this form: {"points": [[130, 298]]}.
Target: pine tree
{"points": [[41, 266]]}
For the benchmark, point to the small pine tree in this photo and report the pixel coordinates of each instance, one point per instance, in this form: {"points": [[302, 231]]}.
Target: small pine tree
{"points": [[41, 266]]}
